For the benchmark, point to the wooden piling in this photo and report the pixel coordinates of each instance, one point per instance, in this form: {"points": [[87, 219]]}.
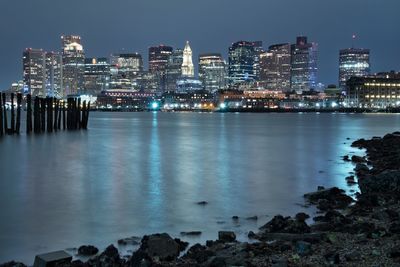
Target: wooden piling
{"points": [[12, 127], [36, 115], [28, 114], [18, 123], [59, 115], [5, 114], [64, 117], [78, 113], [49, 104], [1, 116], [42, 114], [55, 114]]}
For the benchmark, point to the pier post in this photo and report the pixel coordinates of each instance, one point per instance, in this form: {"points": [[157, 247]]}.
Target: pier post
{"points": [[78, 113], [59, 114], [19, 103], [55, 114], [64, 118], [36, 115], [5, 114], [42, 114], [28, 114], [1, 116], [12, 129]]}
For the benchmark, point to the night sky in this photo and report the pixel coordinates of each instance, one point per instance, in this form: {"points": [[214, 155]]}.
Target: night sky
{"points": [[108, 26]]}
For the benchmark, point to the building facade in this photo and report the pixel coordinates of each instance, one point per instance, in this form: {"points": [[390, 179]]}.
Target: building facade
{"points": [[212, 72], [54, 74], [73, 60], [158, 61], [375, 91], [242, 62], [127, 71], [353, 62], [187, 64], [303, 65], [97, 75], [174, 69], [275, 67], [34, 72]]}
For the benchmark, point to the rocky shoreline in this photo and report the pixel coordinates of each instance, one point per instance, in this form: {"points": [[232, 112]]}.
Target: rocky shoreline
{"points": [[347, 232]]}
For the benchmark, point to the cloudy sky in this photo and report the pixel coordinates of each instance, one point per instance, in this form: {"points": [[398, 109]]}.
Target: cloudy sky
{"points": [[108, 26]]}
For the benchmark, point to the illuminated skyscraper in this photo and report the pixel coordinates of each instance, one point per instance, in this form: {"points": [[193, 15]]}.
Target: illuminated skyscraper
{"points": [[73, 58], [127, 69], [174, 69], [54, 74], [158, 60], [303, 65], [34, 68], [212, 71], [275, 67], [187, 64], [242, 62], [97, 75], [353, 62]]}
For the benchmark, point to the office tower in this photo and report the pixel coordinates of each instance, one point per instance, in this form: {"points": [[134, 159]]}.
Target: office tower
{"points": [[275, 67], [158, 60], [258, 50], [174, 69], [187, 64], [34, 72], [127, 68], [212, 71], [97, 75], [353, 62], [54, 76], [73, 59], [242, 62], [303, 65]]}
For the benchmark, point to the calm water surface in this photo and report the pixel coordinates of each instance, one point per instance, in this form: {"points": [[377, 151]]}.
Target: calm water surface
{"points": [[139, 173]]}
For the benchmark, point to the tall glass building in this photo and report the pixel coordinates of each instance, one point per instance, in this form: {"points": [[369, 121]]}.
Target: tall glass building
{"points": [[242, 62], [127, 69], [158, 60], [174, 69], [303, 65], [275, 67], [73, 58], [54, 74], [34, 71], [353, 62], [212, 71], [97, 75]]}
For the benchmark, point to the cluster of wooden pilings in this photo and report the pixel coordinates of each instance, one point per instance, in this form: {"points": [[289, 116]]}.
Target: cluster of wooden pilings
{"points": [[43, 114]]}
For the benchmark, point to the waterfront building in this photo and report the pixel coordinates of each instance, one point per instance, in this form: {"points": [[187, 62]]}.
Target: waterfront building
{"points": [[212, 71], [242, 62], [353, 62], [53, 84], [127, 68], [188, 85], [174, 69], [187, 64], [303, 65], [376, 91], [97, 75], [34, 72], [275, 67], [73, 61], [119, 99], [158, 60]]}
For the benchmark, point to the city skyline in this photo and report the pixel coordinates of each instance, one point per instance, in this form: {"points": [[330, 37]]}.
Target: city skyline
{"points": [[135, 32]]}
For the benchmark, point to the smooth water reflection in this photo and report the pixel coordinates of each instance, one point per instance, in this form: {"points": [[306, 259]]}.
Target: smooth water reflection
{"points": [[138, 173]]}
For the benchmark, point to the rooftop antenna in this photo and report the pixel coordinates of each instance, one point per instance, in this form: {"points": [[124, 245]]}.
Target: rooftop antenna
{"points": [[353, 40]]}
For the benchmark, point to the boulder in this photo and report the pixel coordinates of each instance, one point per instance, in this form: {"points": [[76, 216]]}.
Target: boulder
{"points": [[199, 253], [384, 182], [160, 246], [226, 236], [87, 250], [358, 159], [12, 264], [303, 248]]}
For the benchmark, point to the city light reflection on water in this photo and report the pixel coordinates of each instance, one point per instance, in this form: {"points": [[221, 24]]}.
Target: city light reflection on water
{"points": [[139, 173]]}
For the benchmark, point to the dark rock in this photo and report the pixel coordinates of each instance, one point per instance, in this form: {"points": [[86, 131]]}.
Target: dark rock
{"points": [[202, 203], [353, 256], [395, 228], [191, 233], [279, 261], [252, 235], [252, 218], [161, 246], [217, 262], [332, 258], [302, 217], [303, 248], [12, 264], [199, 253], [280, 224], [331, 198], [111, 252], [346, 158], [226, 236], [235, 218], [129, 241], [87, 250], [361, 170], [384, 182], [320, 188], [358, 159], [395, 252], [182, 244]]}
